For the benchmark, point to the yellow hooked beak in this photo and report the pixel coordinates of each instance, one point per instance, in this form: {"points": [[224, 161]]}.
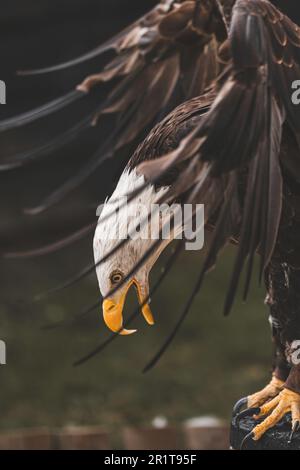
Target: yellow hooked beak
{"points": [[113, 312]]}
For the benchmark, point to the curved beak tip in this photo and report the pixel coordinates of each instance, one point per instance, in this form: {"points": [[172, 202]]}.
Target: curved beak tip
{"points": [[113, 313], [125, 332], [147, 314]]}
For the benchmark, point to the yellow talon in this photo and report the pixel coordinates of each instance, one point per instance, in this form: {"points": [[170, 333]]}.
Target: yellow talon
{"points": [[270, 391], [268, 407], [287, 401]]}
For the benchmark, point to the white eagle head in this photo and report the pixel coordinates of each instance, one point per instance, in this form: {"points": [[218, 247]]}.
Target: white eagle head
{"points": [[117, 221]]}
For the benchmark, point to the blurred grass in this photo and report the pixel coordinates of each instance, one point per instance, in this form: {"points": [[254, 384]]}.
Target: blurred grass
{"points": [[212, 362]]}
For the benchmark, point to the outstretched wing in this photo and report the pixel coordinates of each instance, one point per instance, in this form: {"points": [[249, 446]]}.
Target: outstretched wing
{"points": [[241, 137], [232, 156], [168, 56]]}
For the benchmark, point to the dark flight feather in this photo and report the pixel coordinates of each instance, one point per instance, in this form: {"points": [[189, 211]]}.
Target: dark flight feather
{"points": [[31, 156], [41, 111], [99, 50], [53, 247]]}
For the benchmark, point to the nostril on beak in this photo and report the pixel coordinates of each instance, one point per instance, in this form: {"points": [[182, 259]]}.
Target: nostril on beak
{"points": [[111, 307]]}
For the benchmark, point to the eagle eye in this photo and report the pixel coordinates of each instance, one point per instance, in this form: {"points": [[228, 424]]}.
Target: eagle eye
{"points": [[116, 277]]}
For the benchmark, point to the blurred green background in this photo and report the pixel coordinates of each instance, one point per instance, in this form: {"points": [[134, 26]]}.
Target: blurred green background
{"points": [[212, 362]]}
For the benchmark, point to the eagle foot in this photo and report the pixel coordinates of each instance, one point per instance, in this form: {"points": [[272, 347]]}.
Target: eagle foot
{"points": [[253, 402], [274, 410], [267, 393], [287, 401]]}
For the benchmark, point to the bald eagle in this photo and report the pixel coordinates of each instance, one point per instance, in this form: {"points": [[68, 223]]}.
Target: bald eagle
{"points": [[217, 79]]}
